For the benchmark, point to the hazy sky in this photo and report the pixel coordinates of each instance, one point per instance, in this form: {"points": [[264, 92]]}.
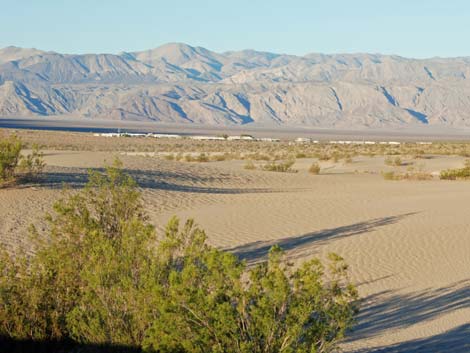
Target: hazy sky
{"points": [[416, 28]]}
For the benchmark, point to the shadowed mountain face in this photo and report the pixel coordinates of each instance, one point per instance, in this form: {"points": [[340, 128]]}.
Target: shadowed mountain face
{"points": [[177, 83]]}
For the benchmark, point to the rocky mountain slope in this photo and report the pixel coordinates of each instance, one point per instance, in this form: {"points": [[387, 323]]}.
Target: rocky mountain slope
{"points": [[183, 84]]}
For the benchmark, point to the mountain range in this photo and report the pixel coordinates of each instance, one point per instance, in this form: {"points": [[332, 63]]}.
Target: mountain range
{"points": [[178, 83]]}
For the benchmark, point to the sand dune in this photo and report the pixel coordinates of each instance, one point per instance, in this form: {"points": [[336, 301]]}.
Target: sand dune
{"points": [[407, 242]]}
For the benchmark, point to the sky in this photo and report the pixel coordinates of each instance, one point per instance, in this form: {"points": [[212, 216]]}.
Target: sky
{"points": [[411, 28]]}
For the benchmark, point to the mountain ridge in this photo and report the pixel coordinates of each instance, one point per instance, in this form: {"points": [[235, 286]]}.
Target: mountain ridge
{"points": [[179, 83]]}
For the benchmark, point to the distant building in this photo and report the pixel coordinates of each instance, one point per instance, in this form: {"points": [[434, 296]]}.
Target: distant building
{"points": [[303, 140], [268, 139], [207, 138], [168, 136], [241, 137]]}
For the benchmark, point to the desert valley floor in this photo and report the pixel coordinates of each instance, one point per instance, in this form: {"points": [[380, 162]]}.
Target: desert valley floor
{"points": [[407, 242]]}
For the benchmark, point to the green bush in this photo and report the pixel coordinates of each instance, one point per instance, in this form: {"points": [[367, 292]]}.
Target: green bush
{"points": [[10, 156], [14, 165], [32, 164], [102, 276]]}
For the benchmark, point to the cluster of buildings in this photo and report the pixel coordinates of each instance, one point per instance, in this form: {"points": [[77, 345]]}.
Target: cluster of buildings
{"points": [[364, 142], [192, 137], [249, 138]]}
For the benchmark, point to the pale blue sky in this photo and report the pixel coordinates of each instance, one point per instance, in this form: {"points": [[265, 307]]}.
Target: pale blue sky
{"points": [[414, 28]]}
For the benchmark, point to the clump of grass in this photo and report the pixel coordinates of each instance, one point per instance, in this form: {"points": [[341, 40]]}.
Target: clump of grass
{"points": [[283, 167], [314, 169], [249, 165]]}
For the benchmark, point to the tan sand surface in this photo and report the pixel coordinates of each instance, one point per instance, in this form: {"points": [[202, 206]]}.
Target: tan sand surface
{"points": [[407, 242]]}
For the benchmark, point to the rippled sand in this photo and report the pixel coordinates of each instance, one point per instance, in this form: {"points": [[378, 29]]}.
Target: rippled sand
{"points": [[407, 242]]}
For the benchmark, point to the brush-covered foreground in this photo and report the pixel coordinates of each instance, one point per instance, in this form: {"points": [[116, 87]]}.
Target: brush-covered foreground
{"points": [[406, 242], [101, 276]]}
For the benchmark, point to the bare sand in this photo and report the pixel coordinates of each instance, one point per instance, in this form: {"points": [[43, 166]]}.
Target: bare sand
{"points": [[407, 242]]}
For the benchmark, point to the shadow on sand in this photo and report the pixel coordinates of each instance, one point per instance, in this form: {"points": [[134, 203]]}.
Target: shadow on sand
{"points": [[147, 179], [258, 250], [388, 311]]}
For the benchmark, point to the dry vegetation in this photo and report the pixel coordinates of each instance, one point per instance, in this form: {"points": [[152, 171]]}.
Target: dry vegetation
{"points": [[232, 150]]}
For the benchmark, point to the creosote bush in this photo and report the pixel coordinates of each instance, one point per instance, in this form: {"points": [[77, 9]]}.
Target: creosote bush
{"points": [[13, 165], [10, 155], [457, 174], [410, 174], [101, 275], [283, 167]]}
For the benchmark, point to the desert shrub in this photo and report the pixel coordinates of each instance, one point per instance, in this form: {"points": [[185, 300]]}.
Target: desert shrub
{"points": [[170, 157], [300, 155], [220, 157], [455, 174], [419, 175], [249, 165], [202, 157], [389, 175], [418, 154], [393, 161], [314, 169], [102, 276], [336, 157], [32, 164], [10, 155], [278, 309], [13, 165], [179, 157], [257, 157], [283, 167]]}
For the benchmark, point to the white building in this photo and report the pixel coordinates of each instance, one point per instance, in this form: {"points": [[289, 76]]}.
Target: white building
{"points": [[207, 138], [241, 137]]}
